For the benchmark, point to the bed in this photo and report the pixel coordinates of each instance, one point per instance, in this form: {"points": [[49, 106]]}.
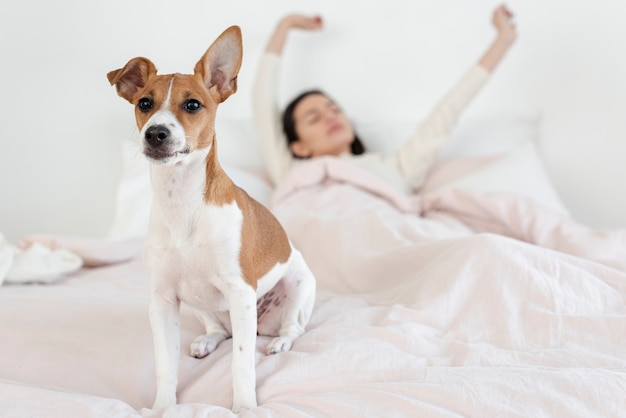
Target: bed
{"points": [[430, 321], [417, 314]]}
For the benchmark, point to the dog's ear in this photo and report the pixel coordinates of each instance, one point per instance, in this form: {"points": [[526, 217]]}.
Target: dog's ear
{"points": [[132, 77], [220, 64]]}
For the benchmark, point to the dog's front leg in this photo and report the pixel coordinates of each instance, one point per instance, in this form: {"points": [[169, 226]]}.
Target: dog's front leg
{"points": [[164, 320], [243, 317]]}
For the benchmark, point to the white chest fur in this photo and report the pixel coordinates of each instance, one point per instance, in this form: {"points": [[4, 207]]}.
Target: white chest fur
{"points": [[194, 245]]}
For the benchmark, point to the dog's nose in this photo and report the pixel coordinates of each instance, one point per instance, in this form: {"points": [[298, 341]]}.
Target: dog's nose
{"points": [[157, 135]]}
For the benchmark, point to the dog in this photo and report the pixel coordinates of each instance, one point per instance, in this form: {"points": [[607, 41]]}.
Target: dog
{"points": [[209, 244]]}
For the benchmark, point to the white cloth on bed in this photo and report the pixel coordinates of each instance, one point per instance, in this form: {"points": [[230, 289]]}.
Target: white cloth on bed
{"points": [[6, 258], [35, 264]]}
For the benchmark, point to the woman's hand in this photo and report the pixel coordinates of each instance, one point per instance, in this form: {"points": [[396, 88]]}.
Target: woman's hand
{"points": [[297, 21], [503, 21], [507, 33], [293, 21]]}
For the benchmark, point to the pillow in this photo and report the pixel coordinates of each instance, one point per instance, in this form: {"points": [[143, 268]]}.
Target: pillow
{"points": [[257, 185], [238, 144], [478, 136], [520, 171], [491, 153], [134, 194], [490, 135]]}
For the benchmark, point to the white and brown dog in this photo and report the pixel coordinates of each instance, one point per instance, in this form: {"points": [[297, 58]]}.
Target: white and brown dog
{"points": [[209, 244]]}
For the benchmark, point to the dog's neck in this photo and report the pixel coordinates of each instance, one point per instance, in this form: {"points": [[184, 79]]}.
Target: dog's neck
{"points": [[181, 190], [180, 185]]}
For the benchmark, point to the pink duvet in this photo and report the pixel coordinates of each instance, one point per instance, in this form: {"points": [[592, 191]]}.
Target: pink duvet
{"points": [[416, 316]]}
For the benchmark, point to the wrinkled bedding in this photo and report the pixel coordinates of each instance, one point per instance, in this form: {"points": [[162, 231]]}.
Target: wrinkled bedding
{"points": [[348, 222], [424, 308]]}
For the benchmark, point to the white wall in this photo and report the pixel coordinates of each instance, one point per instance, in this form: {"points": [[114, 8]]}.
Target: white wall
{"points": [[63, 125]]}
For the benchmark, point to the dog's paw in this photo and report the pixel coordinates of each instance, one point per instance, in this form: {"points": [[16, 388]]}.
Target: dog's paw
{"points": [[204, 345], [163, 402], [239, 407], [278, 345]]}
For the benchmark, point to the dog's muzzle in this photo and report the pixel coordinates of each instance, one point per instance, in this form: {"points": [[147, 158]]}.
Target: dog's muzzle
{"points": [[160, 144], [157, 136]]}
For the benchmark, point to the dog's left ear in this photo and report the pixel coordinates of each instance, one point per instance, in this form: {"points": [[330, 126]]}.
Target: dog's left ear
{"points": [[220, 64]]}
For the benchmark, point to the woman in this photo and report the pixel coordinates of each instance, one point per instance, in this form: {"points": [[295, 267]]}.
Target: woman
{"points": [[313, 125], [340, 214]]}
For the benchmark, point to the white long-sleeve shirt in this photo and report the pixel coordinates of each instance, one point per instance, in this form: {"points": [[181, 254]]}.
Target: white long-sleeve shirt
{"points": [[405, 169]]}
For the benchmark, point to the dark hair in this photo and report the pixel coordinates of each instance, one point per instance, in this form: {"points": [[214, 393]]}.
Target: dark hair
{"points": [[289, 124]]}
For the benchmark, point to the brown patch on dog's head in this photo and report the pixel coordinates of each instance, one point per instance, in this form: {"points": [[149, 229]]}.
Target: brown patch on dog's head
{"points": [[191, 99]]}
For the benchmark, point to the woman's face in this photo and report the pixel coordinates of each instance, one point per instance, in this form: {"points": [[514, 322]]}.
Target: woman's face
{"points": [[322, 128]]}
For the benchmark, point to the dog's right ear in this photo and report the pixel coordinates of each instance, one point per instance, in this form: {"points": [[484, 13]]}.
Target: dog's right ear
{"points": [[132, 77]]}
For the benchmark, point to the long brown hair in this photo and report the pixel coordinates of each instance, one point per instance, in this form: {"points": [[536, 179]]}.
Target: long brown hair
{"points": [[289, 124]]}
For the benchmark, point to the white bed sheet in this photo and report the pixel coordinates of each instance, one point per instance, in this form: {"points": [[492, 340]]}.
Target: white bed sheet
{"points": [[480, 325]]}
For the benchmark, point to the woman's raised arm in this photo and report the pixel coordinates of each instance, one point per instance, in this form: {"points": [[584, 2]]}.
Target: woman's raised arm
{"points": [[507, 33]]}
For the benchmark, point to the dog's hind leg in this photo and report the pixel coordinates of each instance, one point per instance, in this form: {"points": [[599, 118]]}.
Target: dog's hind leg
{"points": [[216, 331], [296, 304]]}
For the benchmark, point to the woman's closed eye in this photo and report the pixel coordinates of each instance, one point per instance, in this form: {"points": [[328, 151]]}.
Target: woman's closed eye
{"points": [[334, 109], [312, 118]]}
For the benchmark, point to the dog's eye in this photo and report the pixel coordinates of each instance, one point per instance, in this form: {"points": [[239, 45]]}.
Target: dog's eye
{"points": [[192, 105], [144, 104]]}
